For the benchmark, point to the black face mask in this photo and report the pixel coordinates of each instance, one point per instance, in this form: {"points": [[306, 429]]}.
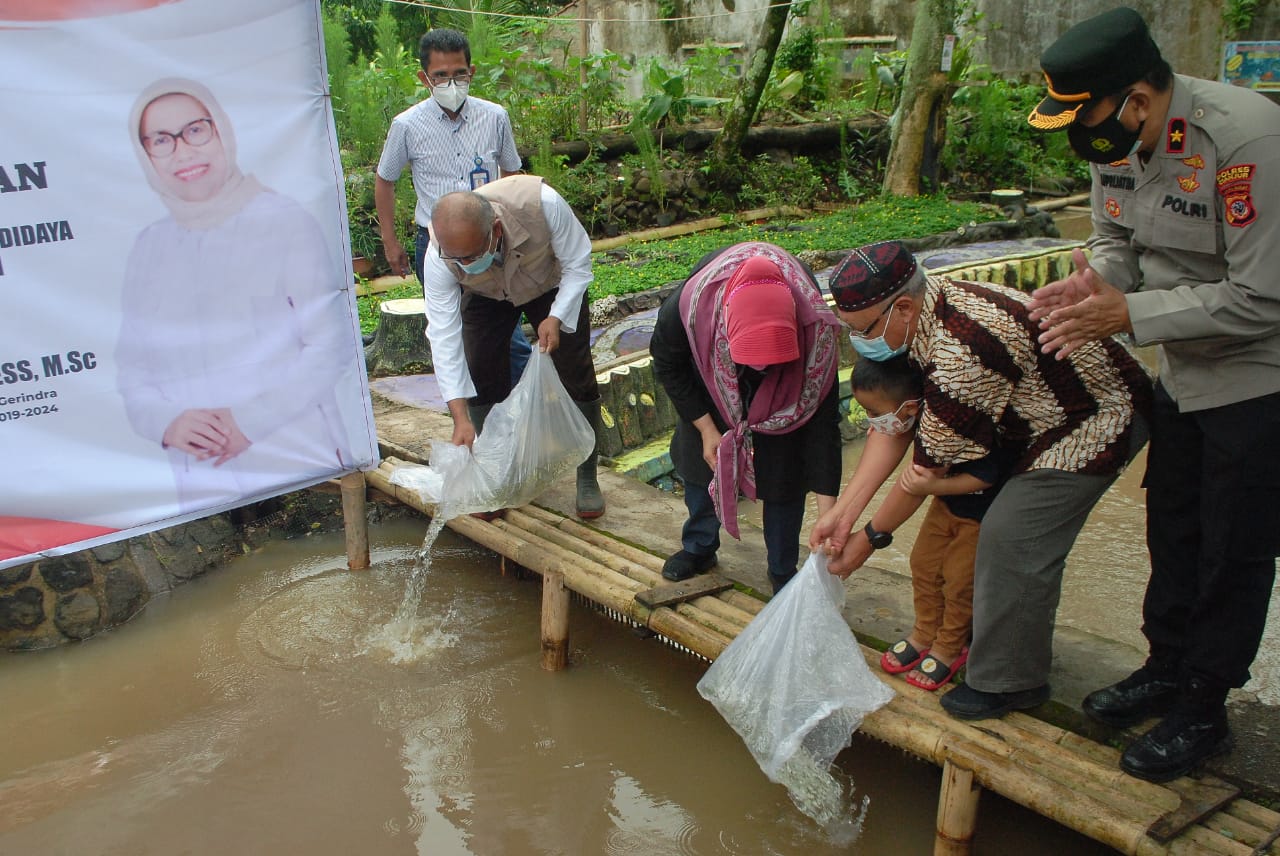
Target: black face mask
{"points": [[1106, 142]]}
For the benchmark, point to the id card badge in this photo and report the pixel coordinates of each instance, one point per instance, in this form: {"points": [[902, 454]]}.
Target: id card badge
{"points": [[479, 176]]}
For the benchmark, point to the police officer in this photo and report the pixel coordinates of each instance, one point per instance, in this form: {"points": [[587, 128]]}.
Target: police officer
{"points": [[1185, 254]]}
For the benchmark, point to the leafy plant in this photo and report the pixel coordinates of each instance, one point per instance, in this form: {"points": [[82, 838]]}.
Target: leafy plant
{"points": [[669, 101], [1237, 16]]}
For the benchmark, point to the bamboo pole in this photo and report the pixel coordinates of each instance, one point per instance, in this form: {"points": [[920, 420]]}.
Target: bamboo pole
{"points": [[957, 811], [555, 622], [1054, 772], [599, 555], [696, 226], [595, 538], [355, 521]]}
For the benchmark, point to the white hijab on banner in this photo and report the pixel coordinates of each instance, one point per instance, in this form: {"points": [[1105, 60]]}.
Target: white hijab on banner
{"points": [[180, 346]]}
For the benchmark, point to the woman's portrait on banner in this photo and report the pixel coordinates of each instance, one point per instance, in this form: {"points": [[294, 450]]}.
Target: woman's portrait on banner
{"points": [[234, 329]]}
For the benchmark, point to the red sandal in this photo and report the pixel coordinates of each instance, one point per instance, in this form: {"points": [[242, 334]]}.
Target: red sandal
{"points": [[905, 653], [939, 674]]}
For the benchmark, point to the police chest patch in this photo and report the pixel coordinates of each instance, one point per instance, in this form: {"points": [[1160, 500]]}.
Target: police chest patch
{"points": [[1177, 136], [1113, 207], [1235, 183]]}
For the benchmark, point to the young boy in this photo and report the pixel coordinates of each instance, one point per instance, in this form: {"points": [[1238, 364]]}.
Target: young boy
{"points": [[942, 559]]}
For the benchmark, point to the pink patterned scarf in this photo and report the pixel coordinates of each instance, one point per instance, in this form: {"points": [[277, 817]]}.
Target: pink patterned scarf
{"points": [[790, 392]]}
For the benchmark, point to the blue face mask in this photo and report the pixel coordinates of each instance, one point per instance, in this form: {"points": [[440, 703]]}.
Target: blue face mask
{"points": [[480, 265], [877, 349]]}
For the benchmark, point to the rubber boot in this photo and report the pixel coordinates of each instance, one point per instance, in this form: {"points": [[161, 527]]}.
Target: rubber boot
{"points": [[590, 501]]}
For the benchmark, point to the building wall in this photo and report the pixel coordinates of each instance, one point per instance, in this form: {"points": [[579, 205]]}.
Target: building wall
{"points": [[1013, 32]]}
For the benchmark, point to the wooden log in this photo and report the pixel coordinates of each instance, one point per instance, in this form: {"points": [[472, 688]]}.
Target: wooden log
{"points": [[555, 622], [608, 435], [626, 407], [957, 811], [355, 521], [400, 344], [647, 399]]}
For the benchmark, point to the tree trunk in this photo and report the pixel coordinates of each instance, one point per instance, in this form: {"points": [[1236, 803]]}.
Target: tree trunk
{"points": [[742, 112], [400, 344], [924, 97]]}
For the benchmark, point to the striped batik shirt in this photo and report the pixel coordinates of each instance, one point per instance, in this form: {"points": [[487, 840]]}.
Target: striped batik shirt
{"points": [[442, 152], [987, 384]]}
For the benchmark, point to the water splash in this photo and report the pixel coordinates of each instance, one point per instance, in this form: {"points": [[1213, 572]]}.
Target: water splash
{"points": [[407, 637]]}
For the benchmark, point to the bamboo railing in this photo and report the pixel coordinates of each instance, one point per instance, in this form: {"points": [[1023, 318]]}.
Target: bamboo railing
{"points": [[1054, 772]]}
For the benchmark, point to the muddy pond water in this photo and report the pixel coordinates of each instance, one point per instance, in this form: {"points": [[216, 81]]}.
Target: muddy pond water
{"points": [[261, 710]]}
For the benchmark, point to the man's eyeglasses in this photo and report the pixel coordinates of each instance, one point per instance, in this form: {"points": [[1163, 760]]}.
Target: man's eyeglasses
{"points": [[440, 78], [866, 331], [162, 143], [466, 260]]}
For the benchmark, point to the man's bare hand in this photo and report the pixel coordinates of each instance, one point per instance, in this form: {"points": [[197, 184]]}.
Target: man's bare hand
{"points": [[1082, 308], [549, 334]]}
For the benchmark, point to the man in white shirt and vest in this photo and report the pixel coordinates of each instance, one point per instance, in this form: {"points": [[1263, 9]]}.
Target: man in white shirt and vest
{"points": [[510, 248], [451, 141]]}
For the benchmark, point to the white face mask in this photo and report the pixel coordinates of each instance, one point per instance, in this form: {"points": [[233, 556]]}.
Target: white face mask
{"points": [[891, 423], [451, 95]]}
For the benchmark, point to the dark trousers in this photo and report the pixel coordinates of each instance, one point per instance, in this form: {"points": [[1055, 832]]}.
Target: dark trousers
{"points": [[520, 349], [782, 522], [1213, 529], [486, 330]]}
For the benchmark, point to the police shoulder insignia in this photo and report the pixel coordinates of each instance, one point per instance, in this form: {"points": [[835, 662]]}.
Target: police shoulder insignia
{"points": [[1235, 183], [1176, 138]]}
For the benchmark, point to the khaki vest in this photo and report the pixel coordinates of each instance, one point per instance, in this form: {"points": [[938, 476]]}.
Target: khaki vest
{"points": [[529, 265]]}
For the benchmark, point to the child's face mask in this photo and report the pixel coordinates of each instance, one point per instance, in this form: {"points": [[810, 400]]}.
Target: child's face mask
{"points": [[891, 423]]}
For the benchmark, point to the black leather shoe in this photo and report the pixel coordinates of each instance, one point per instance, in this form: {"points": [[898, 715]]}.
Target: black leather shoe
{"points": [[1177, 745], [1144, 693], [684, 564], [964, 702]]}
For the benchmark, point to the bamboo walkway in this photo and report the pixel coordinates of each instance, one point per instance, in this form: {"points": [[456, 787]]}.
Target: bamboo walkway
{"points": [[1062, 776]]}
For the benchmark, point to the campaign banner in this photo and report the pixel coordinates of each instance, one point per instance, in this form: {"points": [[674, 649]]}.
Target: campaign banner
{"points": [[1254, 65], [178, 327]]}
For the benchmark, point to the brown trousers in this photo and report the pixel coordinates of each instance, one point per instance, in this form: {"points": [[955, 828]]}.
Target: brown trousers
{"points": [[942, 561]]}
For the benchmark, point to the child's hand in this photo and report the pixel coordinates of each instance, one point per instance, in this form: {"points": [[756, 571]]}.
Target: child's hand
{"points": [[922, 481]]}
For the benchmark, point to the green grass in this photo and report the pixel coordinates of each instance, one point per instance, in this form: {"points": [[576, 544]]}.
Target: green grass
{"points": [[652, 264], [641, 266]]}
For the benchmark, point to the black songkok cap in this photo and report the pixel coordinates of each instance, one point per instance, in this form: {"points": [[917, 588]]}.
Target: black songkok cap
{"points": [[870, 274], [1095, 58]]}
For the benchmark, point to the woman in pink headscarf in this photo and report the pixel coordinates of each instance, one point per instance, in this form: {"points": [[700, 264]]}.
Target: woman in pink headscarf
{"points": [[747, 351]]}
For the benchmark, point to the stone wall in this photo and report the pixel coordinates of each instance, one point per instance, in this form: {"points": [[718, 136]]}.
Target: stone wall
{"points": [[70, 598]]}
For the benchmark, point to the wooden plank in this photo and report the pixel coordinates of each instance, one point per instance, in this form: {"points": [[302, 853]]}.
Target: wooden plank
{"points": [[1199, 800], [675, 593]]}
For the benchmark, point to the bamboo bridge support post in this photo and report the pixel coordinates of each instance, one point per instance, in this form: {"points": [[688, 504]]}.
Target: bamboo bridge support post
{"points": [[555, 622], [355, 522], [957, 811]]}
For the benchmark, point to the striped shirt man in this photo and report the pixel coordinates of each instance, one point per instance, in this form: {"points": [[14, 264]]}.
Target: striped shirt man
{"points": [[444, 154], [987, 381]]}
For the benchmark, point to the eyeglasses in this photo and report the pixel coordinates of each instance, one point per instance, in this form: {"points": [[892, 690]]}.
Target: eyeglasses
{"points": [[466, 260], [162, 143], [866, 331], [440, 78]]}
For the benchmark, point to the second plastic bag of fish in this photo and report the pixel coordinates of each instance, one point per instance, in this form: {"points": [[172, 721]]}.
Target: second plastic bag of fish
{"points": [[795, 686], [529, 441]]}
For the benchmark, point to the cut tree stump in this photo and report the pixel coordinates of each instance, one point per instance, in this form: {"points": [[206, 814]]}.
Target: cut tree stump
{"points": [[400, 344]]}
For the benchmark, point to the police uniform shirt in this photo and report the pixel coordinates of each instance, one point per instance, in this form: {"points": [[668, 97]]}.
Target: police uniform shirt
{"points": [[1194, 236]]}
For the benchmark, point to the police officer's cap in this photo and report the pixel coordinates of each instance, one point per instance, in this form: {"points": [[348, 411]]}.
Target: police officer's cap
{"points": [[1095, 58]]}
